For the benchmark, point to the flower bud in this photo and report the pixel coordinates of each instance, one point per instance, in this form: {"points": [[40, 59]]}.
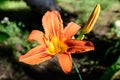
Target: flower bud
{"points": [[92, 19]]}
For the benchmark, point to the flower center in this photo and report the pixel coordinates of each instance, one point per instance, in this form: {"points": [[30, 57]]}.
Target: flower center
{"points": [[56, 46]]}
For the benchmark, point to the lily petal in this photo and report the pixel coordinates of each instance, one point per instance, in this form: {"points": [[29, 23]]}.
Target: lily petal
{"points": [[35, 56], [37, 36], [77, 46], [71, 30], [52, 23], [65, 62]]}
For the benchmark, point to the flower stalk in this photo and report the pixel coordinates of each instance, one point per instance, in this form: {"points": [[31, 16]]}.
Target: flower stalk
{"points": [[77, 70]]}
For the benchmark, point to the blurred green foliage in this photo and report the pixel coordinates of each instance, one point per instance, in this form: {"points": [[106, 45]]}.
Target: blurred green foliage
{"points": [[13, 5], [114, 31], [12, 35], [110, 71], [83, 8], [113, 34]]}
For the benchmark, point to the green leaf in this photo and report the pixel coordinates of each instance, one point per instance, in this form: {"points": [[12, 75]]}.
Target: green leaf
{"points": [[3, 36], [110, 71]]}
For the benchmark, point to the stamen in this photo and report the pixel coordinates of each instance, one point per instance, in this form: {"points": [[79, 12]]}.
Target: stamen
{"points": [[56, 46]]}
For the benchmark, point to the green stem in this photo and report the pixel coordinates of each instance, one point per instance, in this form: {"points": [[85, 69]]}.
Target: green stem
{"points": [[76, 68], [81, 36]]}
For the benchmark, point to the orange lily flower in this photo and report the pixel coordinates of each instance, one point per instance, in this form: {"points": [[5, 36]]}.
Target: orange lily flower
{"points": [[55, 41]]}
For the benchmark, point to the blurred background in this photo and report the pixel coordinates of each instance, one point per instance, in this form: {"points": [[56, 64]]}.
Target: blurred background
{"points": [[19, 17]]}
